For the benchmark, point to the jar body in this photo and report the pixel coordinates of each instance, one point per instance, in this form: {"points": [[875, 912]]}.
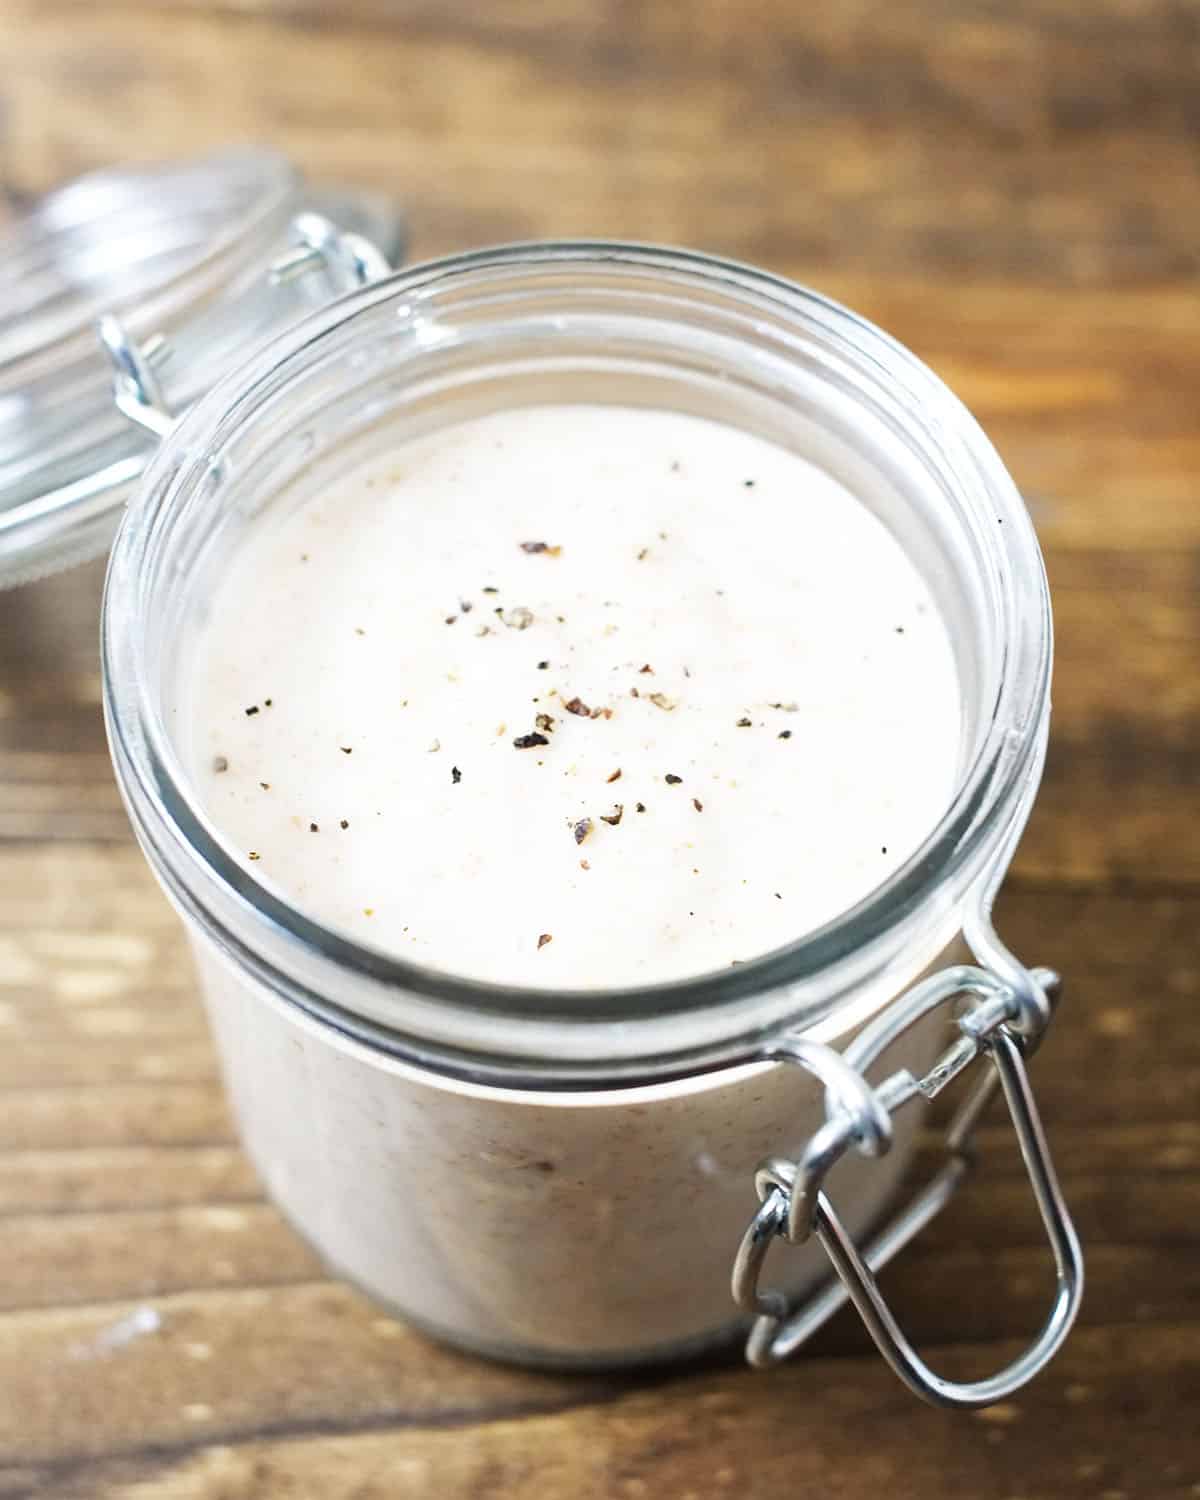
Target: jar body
{"points": [[557, 1229], [564, 1177]]}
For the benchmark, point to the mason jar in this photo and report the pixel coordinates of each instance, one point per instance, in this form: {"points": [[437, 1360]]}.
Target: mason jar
{"points": [[580, 1178]]}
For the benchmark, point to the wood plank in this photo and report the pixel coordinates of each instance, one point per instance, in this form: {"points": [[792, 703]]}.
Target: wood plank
{"points": [[574, 129], [55, 776], [102, 1178], [728, 1432], [81, 1382], [1133, 620], [171, 1114], [93, 905], [117, 1045], [56, 1260], [1126, 721]]}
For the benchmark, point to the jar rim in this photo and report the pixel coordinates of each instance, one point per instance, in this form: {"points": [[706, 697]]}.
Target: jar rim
{"points": [[435, 1017]]}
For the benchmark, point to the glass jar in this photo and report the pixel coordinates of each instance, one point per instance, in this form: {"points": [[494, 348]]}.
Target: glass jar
{"points": [[568, 1178]]}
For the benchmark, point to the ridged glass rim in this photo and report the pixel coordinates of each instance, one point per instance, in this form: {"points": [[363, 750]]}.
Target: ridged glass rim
{"points": [[959, 852]]}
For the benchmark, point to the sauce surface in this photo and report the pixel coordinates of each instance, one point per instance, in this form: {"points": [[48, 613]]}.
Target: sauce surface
{"points": [[575, 697]]}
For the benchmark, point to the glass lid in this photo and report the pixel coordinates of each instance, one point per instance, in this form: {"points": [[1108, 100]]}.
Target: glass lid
{"points": [[189, 265]]}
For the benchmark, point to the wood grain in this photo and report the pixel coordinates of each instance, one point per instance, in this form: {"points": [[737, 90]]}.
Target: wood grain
{"points": [[1013, 189]]}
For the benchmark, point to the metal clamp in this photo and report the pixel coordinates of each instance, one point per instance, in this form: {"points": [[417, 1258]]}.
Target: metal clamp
{"points": [[347, 261], [1002, 1023]]}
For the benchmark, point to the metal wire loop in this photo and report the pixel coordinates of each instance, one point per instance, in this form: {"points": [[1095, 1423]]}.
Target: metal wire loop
{"points": [[854, 1116], [793, 1204], [319, 248]]}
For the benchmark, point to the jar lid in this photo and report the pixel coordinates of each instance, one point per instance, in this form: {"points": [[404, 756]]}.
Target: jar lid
{"points": [[191, 266]]}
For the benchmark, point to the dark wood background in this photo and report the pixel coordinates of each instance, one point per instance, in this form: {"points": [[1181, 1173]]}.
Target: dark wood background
{"points": [[1013, 188]]}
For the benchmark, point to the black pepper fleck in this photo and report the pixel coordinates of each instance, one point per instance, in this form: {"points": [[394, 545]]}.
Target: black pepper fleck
{"points": [[697, 804], [345, 823], [582, 829], [220, 763], [529, 741], [252, 710], [266, 785], [346, 749], [578, 706], [743, 724], [314, 828], [489, 590], [646, 668], [614, 817], [535, 547], [542, 665], [785, 734], [455, 775], [254, 854], [672, 780], [641, 807], [466, 606], [748, 484]]}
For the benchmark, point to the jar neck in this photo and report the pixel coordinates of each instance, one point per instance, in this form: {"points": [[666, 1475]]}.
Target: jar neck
{"points": [[686, 328]]}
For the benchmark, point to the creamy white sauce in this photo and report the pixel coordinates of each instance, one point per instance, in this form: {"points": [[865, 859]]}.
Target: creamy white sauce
{"points": [[753, 585]]}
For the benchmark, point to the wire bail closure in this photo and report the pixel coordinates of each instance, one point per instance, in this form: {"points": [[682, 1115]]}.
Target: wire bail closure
{"points": [[1002, 1023], [318, 248]]}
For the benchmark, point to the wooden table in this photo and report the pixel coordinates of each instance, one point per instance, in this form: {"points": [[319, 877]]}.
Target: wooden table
{"points": [[1014, 190]]}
